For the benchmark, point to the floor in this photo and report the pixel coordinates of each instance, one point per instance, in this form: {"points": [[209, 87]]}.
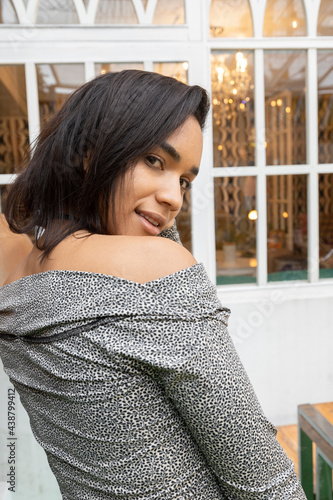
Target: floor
{"points": [[288, 438]]}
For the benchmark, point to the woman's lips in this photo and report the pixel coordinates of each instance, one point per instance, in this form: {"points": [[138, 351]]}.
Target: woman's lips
{"points": [[151, 222]]}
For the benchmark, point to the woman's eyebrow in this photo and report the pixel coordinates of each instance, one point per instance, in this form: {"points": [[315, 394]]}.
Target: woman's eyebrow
{"points": [[176, 156], [171, 151]]}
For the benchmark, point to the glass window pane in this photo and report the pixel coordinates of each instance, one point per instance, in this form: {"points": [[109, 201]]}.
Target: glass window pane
{"points": [[177, 70], [55, 83], [116, 12], [284, 18], [287, 246], [14, 131], [230, 19], [325, 106], [169, 12], [285, 107], [235, 230], [325, 18], [7, 12], [102, 68], [57, 12], [326, 225], [233, 108]]}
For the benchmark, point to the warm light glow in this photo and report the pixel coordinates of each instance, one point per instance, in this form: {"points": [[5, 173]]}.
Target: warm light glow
{"points": [[216, 101], [242, 106], [253, 262], [225, 100], [247, 99], [230, 101], [220, 147], [232, 82], [253, 215], [234, 91], [273, 104], [103, 71], [294, 24], [288, 109], [218, 122], [279, 102], [185, 65], [285, 215], [220, 73], [241, 62]]}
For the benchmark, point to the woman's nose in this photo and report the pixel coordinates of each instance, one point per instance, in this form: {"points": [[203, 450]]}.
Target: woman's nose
{"points": [[171, 194]]}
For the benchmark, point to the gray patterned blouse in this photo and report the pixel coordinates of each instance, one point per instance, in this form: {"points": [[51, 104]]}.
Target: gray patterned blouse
{"points": [[135, 391]]}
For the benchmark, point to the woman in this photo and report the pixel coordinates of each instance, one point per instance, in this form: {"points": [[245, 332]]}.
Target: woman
{"points": [[115, 339]]}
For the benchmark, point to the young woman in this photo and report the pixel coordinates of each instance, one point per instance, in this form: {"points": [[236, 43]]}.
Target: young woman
{"points": [[115, 338]]}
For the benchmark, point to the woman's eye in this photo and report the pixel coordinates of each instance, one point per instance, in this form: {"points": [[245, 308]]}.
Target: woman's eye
{"points": [[154, 161], [185, 184]]}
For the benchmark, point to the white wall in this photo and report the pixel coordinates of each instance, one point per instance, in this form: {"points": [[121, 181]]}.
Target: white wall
{"points": [[283, 335]]}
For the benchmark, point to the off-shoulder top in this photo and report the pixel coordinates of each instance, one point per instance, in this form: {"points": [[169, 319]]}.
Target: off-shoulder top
{"points": [[135, 391]]}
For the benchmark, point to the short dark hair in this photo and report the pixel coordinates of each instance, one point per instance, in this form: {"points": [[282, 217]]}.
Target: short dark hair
{"points": [[83, 151]]}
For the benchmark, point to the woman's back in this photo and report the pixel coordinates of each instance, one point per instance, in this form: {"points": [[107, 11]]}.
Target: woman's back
{"points": [[135, 390], [85, 362]]}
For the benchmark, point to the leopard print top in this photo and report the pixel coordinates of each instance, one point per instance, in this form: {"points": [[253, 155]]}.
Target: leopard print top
{"points": [[135, 391]]}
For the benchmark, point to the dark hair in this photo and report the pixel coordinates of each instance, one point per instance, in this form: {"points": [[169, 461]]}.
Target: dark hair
{"points": [[83, 151]]}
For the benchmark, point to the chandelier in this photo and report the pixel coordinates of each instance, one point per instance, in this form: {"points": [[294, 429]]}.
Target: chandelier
{"points": [[231, 82]]}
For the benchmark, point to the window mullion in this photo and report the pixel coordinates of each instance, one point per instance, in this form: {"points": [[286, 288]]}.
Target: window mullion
{"points": [[261, 165], [32, 100], [312, 159], [148, 65], [202, 196], [89, 68]]}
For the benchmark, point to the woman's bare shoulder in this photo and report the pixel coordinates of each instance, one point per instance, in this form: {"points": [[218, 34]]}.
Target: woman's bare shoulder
{"points": [[141, 258], [135, 258]]}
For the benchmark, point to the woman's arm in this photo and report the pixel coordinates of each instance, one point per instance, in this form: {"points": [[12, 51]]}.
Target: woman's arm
{"points": [[215, 398]]}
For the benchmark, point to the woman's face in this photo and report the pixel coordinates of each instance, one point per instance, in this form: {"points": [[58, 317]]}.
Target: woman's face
{"points": [[152, 193]]}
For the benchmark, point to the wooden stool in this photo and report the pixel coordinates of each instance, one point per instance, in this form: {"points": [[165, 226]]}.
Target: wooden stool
{"points": [[315, 425]]}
